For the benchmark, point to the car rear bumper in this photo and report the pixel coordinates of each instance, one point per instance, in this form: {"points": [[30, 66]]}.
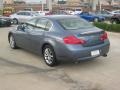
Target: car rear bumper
{"points": [[83, 53]]}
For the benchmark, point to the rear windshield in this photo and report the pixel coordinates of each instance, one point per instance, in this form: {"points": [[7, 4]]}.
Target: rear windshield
{"points": [[74, 24]]}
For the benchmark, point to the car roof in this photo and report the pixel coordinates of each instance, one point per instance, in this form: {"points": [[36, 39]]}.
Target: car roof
{"points": [[57, 17]]}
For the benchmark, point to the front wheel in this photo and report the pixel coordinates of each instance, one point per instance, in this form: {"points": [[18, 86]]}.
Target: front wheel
{"points": [[12, 42], [49, 56]]}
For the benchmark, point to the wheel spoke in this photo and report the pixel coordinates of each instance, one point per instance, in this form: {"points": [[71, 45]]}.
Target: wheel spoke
{"points": [[48, 55], [12, 42]]}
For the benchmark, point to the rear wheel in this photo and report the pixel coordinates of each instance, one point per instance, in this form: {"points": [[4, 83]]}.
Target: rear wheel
{"points": [[49, 56], [15, 21], [12, 42]]}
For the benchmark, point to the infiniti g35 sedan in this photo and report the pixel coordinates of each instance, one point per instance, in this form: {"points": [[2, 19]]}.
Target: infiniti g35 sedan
{"points": [[60, 37]]}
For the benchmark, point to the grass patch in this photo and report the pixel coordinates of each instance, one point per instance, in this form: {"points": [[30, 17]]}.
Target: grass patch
{"points": [[108, 27]]}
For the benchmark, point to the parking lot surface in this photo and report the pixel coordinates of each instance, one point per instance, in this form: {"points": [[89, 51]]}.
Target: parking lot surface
{"points": [[23, 70]]}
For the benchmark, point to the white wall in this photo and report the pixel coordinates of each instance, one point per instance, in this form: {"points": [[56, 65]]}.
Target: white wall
{"points": [[95, 2], [1, 4]]}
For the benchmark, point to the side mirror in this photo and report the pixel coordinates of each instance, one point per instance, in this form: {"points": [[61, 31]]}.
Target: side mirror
{"points": [[21, 27]]}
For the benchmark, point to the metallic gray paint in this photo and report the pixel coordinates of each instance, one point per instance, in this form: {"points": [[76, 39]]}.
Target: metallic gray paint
{"points": [[34, 40]]}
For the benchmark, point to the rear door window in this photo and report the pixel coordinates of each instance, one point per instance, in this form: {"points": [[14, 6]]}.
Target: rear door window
{"points": [[31, 24], [48, 26], [43, 24]]}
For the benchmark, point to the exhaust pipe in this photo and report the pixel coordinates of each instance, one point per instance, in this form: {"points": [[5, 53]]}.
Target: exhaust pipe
{"points": [[105, 55]]}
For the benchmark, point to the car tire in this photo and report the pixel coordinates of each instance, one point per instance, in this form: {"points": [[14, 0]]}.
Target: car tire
{"points": [[12, 42], [15, 21], [49, 56]]}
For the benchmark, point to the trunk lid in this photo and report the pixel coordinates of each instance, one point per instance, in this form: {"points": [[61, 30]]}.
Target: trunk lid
{"points": [[91, 36]]}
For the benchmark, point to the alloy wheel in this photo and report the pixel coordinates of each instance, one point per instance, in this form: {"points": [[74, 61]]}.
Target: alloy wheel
{"points": [[12, 42], [48, 56]]}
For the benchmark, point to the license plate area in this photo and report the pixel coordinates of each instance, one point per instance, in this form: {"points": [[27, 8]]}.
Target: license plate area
{"points": [[95, 53]]}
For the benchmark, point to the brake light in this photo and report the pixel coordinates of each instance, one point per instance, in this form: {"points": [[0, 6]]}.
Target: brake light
{"points": [[104, 36], [73, 40]]}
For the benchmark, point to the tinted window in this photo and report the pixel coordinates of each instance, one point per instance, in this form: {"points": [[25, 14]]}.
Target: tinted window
{"points": [[35, 13], [48, 26], [32, 21], [42, 23], [116, 12], [29, 27], [74, 23], [20, 13], [27, 13], [85, 13], [78, 9]]}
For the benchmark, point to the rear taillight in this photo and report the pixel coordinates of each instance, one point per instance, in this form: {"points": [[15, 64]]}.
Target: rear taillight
{"points": [[104, 36], [73, 40]]}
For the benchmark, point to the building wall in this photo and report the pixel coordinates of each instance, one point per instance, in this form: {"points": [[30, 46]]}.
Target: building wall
{"points": [[17, 7], [8, 1], [73, 2], [1, 4]]}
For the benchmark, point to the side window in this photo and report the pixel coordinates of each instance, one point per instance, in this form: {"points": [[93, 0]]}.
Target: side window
{"points": [[31, 24], [32, 21], [29, 27], [41, 24], [20, 13], [116, 12], [27, 14], [107, 12], [48, 26], [85, 13]]}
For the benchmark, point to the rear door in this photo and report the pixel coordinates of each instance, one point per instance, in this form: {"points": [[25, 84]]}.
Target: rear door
{"points": [[37, 35]]}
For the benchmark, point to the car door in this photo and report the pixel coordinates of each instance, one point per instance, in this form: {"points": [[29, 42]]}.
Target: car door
{"points": [[27, 16], [22, 36], [37, 35], [20, 16]]}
